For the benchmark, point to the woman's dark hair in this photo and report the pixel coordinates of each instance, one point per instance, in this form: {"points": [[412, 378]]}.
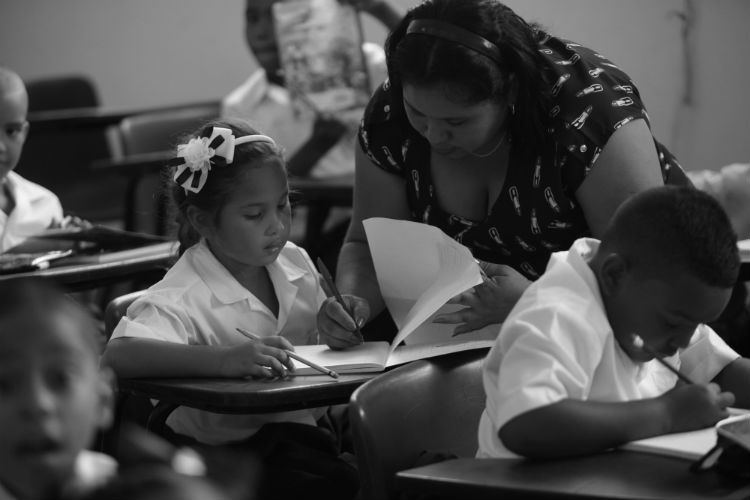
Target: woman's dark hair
{"points": [[469, 76], [221, 180]]}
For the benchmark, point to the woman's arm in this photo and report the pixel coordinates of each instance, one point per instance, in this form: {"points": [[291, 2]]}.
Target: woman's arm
{"points": [[377, 193], [628, 164]]}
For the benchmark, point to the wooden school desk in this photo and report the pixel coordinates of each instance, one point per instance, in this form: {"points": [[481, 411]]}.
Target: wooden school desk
{"points": [[610, 475], [614, 475], [238, 396], [91, 271]]}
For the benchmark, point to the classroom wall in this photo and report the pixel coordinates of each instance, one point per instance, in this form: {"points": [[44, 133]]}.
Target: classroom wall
{"points": [[158, 52]]}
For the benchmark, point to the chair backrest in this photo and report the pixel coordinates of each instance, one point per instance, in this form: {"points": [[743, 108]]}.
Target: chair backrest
{"points": [[429, 405], [61, 92], [58, 157], [116, 309], [161, 130]]}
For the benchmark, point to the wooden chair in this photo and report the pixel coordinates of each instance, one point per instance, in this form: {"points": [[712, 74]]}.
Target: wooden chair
{"points": [[430, 405]]}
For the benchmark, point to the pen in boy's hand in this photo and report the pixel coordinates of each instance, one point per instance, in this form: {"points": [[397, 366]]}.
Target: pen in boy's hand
{"points": [[335, 291], [638, 343], [294, 355]]}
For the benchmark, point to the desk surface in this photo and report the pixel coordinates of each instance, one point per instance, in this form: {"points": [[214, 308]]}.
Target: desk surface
{"points": [[99, 116], [249, 395], [90, 271], [613, 475]]}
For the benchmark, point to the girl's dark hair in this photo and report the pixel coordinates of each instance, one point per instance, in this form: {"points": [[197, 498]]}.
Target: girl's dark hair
{"points": [[221, 180], [424, 60]]}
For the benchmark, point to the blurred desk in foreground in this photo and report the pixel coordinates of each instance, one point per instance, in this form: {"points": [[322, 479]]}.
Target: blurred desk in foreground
{"points": [[84, 272], [611, 475]]}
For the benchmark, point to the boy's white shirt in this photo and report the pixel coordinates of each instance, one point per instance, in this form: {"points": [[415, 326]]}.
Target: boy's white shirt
{"points": [[269, 108], [35, 209], [557, 344], [92, 470], [199, 302]]}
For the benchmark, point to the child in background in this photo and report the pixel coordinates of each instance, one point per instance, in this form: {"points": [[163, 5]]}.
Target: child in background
{"points": [[53, 395], [238, 269], [566, 376], [25, 207]]}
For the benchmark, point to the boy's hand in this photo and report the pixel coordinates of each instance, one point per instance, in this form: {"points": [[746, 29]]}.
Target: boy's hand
{"points": [[337, 327], [265, 358], [691, 407]]}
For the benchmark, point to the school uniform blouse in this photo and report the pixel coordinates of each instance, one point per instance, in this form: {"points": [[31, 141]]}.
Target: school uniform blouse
{"points": [[36, 208], [198, 302], [557, 343], [536, 212]]}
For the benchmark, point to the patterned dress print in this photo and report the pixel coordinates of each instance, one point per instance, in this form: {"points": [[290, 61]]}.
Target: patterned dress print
{"points": [[536, 212]]}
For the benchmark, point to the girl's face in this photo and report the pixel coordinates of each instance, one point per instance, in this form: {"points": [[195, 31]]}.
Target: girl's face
{"points": [[253, 226], [454, 129]]}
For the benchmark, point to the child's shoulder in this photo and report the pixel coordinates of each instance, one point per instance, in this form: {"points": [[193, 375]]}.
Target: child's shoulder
{"points": [[23, 188]]}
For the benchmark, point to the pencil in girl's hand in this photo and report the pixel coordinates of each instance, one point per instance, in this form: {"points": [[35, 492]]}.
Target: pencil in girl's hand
{"points": [[294, 355], [640, 344], [335, 291]]}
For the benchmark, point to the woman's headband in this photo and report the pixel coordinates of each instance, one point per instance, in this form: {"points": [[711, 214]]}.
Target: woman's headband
{"points": [[453, 33], [215, 147]]}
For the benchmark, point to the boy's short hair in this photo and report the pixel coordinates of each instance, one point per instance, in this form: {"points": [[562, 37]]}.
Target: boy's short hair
{"points": [[41, 301], [676, 229], [10, 81]]}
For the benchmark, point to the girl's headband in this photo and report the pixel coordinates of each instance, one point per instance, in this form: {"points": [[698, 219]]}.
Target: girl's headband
{"points": [[453, 33], [215, 147]]}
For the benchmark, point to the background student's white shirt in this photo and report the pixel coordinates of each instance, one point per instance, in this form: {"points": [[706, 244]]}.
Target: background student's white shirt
{"points": [[557, 343], [36, 208]]}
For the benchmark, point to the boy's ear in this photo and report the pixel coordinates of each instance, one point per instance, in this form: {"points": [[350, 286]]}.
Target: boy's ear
{"points": [[200, 220], [25, 131], [106, 392], [612, 273]]}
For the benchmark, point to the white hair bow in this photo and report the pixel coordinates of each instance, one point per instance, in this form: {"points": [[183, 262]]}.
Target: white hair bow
{"points": [[215, 147]]}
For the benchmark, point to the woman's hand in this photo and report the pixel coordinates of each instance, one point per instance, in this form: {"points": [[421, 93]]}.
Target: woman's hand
{"points": [[264, 358], [337, 327], [489, 302]]}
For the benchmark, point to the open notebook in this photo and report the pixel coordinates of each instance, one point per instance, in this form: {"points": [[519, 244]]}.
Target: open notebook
{"points": [[690, 445], [418, 268]]}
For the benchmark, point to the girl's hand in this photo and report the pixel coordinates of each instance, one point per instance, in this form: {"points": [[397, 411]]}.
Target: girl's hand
{"points": [[695, 406], [264, 358], [489, 302], [337, 327]]}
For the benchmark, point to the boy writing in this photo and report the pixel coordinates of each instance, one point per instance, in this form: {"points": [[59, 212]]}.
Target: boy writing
{"points": [[568, 375], [25, 208]]}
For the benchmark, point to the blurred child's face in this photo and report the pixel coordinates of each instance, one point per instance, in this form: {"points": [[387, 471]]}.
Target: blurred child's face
{"points": [[260, 35], [52, 400], [13, 128], [253, 226], [664, 314]]}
